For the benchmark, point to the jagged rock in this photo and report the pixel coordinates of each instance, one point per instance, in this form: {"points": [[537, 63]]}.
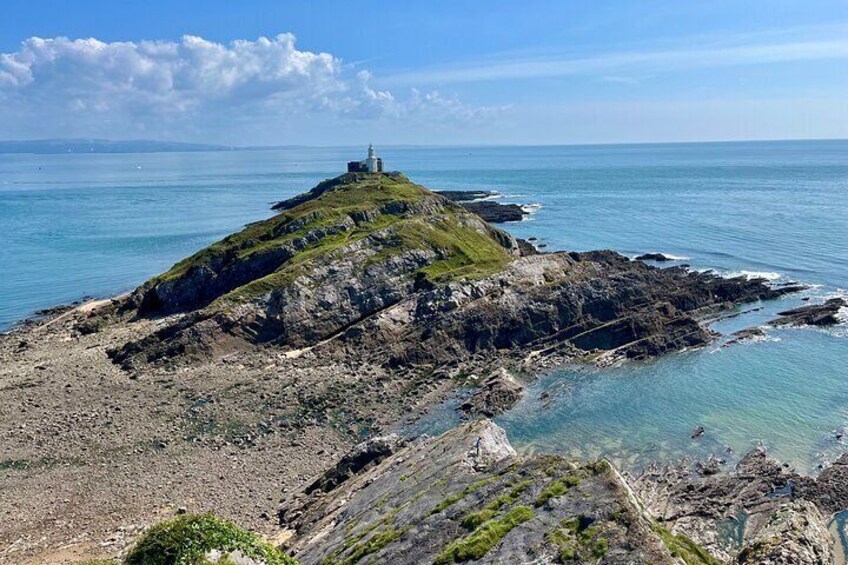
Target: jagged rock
{"points": [[497, 394], [826, 314], [794, 534], [492, 212], [362, 457], [763, 501], [465, 195]]}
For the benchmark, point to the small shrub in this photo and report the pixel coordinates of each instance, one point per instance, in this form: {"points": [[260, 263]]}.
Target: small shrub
{"points": [[187, 539]]}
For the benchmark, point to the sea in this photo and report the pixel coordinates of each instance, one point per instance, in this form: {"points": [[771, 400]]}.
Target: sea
{"points": [[77, 225]]}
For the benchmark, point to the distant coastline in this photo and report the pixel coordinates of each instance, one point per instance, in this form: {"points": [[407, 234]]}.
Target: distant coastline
{"points": [[59, 146]]}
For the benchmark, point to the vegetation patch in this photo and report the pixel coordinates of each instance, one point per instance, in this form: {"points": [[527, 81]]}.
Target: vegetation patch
{"points": [[684, 548], [373, 544], [456, 497], [473, 519], [578, 538], [186, 541], [556, 489], [485, 537]]}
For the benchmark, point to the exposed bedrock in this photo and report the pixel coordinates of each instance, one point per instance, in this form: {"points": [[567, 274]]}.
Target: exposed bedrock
{"points": [[467, 496], [760, 512]]}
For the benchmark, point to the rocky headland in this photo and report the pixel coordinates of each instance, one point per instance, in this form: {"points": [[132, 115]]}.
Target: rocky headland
{"points": [[255, 366]]}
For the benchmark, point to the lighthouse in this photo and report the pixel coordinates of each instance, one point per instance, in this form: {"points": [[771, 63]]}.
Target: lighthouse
{"points": [[371, 161], [371, 164]]}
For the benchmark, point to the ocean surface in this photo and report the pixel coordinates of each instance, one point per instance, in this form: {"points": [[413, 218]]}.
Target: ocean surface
{"points": [[93, 224]]}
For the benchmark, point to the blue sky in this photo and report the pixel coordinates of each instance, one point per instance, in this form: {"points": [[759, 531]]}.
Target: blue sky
{"points": [[424, 72]]}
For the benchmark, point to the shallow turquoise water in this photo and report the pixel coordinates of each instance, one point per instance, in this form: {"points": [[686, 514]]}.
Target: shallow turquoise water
{"points": [[72, 225]]}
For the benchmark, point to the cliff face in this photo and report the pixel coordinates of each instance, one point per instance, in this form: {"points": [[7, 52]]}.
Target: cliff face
{"points": [[375, 267]]}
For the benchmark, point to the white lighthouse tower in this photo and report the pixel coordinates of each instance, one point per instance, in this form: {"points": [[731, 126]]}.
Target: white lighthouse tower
{"points": [[371, 161]]}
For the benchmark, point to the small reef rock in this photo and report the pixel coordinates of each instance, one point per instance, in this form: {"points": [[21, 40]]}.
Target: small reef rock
{"points": [[659, 257], [826, 314], [495, 212], [492, 212], [762, 512], [745, 336], [374, 268], [467, 496], [495, 395]]}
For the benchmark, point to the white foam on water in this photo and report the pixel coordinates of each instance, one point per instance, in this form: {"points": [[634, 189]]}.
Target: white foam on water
{"points": [[531, 208], [767, 275]]}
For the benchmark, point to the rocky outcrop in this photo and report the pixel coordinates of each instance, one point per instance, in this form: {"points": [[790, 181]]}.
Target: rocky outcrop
{"points": [[373, 268], [364, 456], [794, 534], [492, 212], [465, 195], [830, 491], [466, 495], [826, 314], [761, 512], [659, 257], [495, 395], [495, 212]]}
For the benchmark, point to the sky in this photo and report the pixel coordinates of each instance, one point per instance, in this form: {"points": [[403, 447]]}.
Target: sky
{"points": [[457, 72]]}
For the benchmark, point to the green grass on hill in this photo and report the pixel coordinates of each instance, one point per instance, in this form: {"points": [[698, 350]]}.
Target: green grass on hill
{"points": [[342, 211]]}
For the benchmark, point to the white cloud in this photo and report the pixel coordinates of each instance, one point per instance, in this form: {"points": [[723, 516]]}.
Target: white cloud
{"points": [[87, 87], [680, 58]]}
